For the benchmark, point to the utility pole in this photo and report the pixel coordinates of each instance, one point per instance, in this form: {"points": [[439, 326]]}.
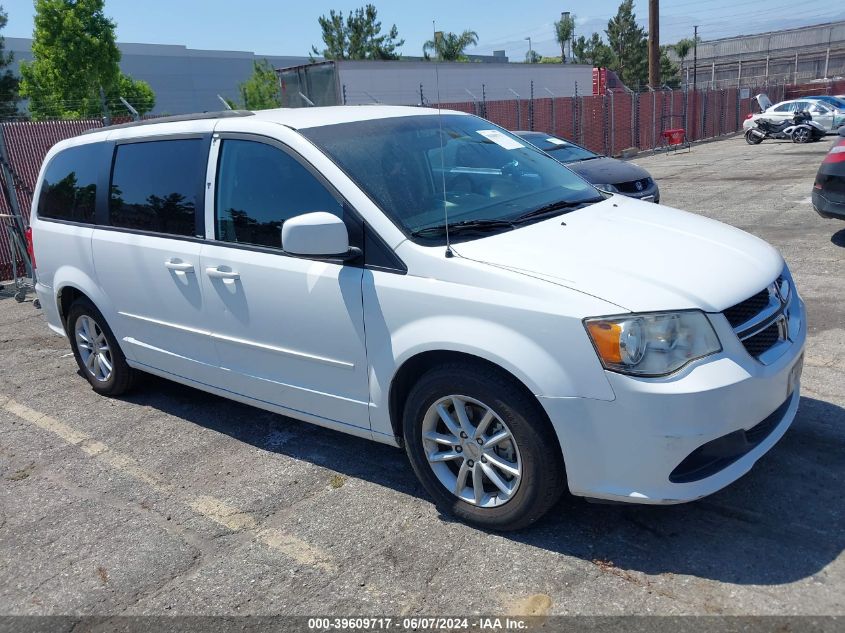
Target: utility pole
{"points": [[654, 44], [530, 51], [564, 18]]}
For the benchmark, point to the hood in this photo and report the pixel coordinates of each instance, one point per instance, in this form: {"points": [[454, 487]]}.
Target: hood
{"points": [[607, 170], [763, 101], [638, 255]]}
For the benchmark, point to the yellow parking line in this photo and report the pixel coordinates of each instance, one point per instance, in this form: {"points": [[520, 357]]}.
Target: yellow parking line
{"points": [[210, 507]]}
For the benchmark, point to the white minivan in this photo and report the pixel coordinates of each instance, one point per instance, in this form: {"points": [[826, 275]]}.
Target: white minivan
{"points": [[426, 280]]}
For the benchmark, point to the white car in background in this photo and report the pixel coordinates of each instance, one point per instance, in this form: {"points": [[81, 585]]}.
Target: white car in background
{"points": [[823, 112]]}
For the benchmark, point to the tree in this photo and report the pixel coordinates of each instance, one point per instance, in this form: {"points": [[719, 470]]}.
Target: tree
{"points": [[682, 50], [629, 43], [261, 91], [8, 82], [450, 47], [669, 70], [138, 93], [358, 36], [592, 51], [564, 30], [75, 59], [533, 57]]}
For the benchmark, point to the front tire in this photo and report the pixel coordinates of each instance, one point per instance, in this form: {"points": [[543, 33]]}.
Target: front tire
{"points": [[482, 447], [96, 351], [801, 135]]}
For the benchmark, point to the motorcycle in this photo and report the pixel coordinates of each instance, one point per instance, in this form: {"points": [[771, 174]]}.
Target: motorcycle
{"points": [[801, 129]]}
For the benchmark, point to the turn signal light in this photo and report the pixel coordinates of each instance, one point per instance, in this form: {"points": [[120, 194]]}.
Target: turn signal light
{"points": [[605, 336]]}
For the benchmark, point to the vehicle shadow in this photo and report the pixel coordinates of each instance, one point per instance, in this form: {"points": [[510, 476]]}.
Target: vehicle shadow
{"points": [[782, 522], [838, 238]]}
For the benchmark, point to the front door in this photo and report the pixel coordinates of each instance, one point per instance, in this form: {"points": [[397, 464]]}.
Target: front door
{"points": [[289, 331]]}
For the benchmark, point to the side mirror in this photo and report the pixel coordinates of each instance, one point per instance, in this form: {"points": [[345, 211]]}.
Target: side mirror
{"points": [[317, 234], [842, 131]]}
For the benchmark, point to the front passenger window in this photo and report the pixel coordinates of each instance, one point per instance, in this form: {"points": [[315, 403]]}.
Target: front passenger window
{"points": [[259, 187]]}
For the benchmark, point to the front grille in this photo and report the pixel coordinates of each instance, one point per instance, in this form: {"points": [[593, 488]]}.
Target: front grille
{"points": [[631, 187], [762, 341], [761, 321], [745, 310]]}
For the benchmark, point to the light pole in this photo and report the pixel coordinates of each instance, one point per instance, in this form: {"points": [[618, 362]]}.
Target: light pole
{"points": [[530, 51]]}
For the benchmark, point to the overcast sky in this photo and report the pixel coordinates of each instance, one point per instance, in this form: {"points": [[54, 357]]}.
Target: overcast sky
{"points": [[277, 27]]}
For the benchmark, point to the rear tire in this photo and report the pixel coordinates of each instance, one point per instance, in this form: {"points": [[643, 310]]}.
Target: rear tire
{"points": [[96, 351], [752, 139], [506, 485]]}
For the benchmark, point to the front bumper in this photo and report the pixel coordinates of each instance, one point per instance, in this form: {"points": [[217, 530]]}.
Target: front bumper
{"points": [[627, 449]]}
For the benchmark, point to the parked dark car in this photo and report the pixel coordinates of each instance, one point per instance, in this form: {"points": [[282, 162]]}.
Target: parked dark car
{"points": [[607, 174], [829, 189]]}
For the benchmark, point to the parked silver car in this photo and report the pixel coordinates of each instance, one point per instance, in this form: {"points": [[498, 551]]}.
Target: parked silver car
{"points": [[825, 113]]}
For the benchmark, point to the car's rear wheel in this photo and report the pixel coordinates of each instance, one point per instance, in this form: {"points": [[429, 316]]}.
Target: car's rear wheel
{"points": [[97, 353], [482, 447]]}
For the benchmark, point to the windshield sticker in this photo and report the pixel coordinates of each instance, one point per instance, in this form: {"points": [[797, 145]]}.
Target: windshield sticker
{"points": [[503, 140], [555, 141]]}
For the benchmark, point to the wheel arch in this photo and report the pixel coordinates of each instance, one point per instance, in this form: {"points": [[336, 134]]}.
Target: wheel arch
{"points": [[71, 284], [409, 371]]}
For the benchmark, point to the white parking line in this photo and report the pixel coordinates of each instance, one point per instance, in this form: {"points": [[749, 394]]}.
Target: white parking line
{"points": [[208, 506]]}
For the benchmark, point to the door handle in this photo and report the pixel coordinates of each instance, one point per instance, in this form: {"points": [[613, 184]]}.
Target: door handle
{"points": [[179, 267], [216, 273]]}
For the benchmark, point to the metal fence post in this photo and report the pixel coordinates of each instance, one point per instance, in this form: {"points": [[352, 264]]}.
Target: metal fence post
{"points": [[554, 118], [484, 101], [531, 108], [344, 93], [653, 116], [575, 114], [518, 114]]}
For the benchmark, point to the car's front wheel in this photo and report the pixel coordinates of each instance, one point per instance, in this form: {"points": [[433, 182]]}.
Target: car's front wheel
{"points": [[482, 446]]}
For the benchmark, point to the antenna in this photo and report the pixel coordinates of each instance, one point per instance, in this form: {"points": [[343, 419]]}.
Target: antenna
{"points": [[225, 103], [449, 252]]}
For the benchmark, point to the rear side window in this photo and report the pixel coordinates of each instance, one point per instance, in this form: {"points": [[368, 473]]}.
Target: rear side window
{"points": [[259, 187], [69, 189], [157, 185]]}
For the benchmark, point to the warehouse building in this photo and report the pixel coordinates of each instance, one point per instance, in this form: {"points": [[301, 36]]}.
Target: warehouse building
{"points": [[184, 79], [789, 56], [424, 82]]}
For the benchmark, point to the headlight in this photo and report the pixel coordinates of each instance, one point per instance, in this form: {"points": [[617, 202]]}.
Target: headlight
{"points": [[607, 187], [652, 344]]}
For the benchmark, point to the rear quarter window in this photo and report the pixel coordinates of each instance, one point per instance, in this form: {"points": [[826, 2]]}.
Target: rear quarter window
{"points": [[69, 187]]}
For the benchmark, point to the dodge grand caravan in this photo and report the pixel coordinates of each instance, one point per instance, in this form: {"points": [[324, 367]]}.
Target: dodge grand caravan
{"points": [[429, 281]]}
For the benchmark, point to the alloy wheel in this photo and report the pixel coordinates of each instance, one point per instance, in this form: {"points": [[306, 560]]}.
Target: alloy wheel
{"points": [[801, 135], [93, 348], [471, 451]]}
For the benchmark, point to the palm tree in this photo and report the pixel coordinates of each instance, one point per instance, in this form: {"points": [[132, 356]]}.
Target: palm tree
{"points": [[450, 47], [682, 49]]}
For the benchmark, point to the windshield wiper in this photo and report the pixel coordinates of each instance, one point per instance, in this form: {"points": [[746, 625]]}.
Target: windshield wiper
{"points": [[462, 227], [553, 208]]}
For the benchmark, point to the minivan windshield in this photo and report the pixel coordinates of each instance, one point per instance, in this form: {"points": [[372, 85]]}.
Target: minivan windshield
{"points": [[416, 168]]}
